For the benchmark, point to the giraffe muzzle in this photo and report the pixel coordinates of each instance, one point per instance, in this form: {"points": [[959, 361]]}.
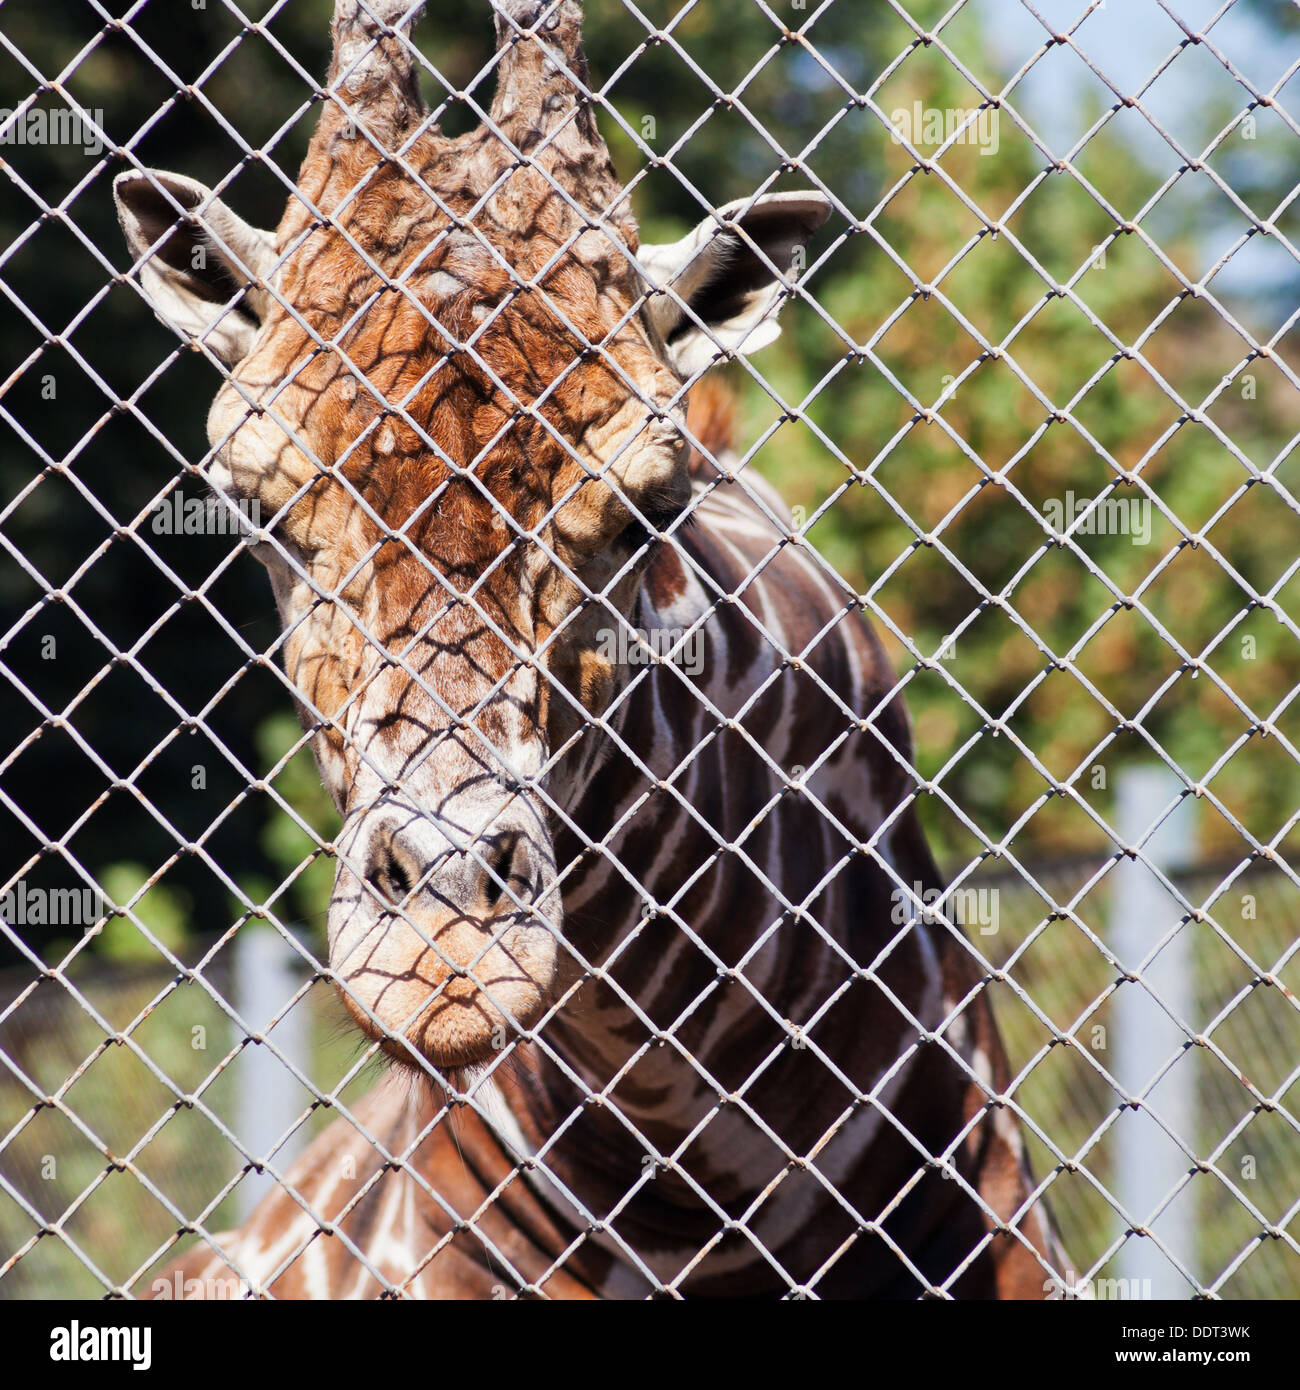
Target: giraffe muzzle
{"points": [[444, 945]]}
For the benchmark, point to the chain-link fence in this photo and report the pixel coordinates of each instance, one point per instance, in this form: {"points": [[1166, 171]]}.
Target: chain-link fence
{"points": [[568, 666]]}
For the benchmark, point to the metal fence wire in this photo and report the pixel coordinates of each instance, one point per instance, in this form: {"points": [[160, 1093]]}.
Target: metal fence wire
{"points": [[124, 1134]]}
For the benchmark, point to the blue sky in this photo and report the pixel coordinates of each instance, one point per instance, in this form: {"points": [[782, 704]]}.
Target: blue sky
{"points": [[1128, 40]]}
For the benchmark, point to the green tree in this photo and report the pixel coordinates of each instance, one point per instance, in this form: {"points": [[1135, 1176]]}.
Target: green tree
{"points": [[929, 464]]}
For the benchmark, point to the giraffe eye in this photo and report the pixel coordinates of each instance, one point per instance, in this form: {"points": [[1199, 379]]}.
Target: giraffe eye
{"points": [[633, 536]]}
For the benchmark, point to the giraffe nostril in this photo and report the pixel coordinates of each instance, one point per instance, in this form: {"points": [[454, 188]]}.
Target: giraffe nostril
{"points": [[390, 876], [502, 869]]}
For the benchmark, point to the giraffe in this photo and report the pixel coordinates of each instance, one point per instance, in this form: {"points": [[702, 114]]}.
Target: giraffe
{"points": [[640, 938]]}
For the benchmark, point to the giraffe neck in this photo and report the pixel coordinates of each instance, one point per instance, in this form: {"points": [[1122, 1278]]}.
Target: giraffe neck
{"points": [[748, 913]]}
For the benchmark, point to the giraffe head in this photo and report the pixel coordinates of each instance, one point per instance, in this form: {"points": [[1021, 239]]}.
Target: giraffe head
{"points": [[455, 387]]}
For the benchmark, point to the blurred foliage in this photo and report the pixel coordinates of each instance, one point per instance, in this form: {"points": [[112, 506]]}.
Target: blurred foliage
{"points": [[1065, 1097], [940, 520], [292, 842], [149, 717], [1282, 14], [117, 1225], [109, 1218], [163, 912]]}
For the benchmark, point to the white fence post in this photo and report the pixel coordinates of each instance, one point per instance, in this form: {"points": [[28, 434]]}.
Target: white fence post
{"points": [[1148, 1163], [268, 1097]]}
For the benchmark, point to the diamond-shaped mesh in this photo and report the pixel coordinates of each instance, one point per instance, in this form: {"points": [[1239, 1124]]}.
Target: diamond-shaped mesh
{"points": [[1010, 343]]}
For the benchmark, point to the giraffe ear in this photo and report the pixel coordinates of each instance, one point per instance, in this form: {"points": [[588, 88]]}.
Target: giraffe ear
{"points": [[727, 274], [199, 265]]}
